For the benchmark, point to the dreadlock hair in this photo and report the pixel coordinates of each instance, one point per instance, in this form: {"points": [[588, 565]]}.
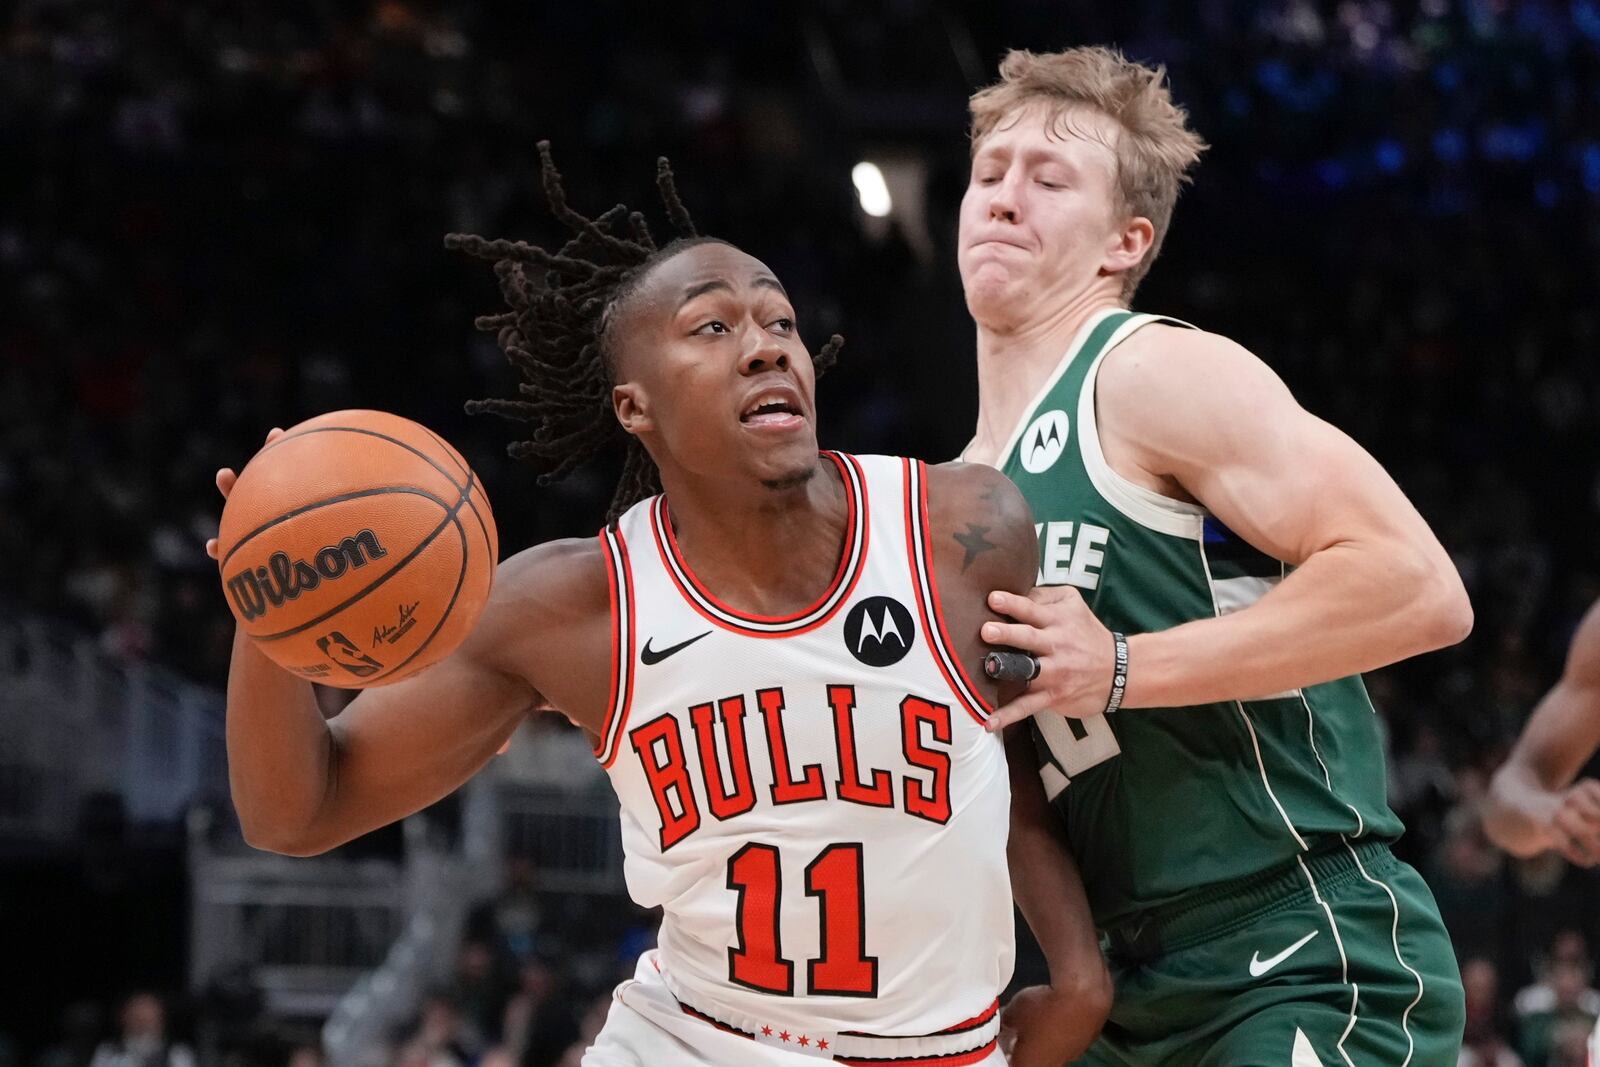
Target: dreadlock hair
{"points": [[555, 330]]}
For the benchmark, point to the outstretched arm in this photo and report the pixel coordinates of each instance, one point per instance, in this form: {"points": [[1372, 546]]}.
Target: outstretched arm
{"points": [[1533, 802], [1199, 417], [1052, 1024], [302, 784]]}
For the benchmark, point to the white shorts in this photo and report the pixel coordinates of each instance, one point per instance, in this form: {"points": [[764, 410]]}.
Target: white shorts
{"points": [[648, 1027]]}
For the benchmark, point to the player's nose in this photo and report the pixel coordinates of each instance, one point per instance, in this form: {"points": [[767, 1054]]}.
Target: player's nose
{"points": [[1004, 203], [762, 353]]}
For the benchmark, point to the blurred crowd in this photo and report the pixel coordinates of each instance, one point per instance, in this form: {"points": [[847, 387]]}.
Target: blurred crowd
{"points": [[216, 219]]}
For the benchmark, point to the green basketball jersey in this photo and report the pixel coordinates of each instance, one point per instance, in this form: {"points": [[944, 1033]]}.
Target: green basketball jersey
{"points": [[1161, 801]]}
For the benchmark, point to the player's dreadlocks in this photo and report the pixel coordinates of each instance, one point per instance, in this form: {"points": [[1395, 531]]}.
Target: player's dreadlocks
{"points": [[555, 333]]}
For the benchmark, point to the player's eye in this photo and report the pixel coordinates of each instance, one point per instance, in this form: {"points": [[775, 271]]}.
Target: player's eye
{"points": [[715, 326], [783, 324]]}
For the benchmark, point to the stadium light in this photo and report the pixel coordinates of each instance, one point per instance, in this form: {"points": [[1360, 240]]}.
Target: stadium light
{"points": [[871, 189]]}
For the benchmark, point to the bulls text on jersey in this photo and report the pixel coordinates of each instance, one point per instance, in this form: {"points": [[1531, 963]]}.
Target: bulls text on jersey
{"points": [[688, 778]]}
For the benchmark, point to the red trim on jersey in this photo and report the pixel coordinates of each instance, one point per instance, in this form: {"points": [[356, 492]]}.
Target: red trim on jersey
{"points": [[852, 562], [703, 1017], [949, 1059], [622, 661], [976, 1021], [916, 515], [958, 1059], [959, 1028]]}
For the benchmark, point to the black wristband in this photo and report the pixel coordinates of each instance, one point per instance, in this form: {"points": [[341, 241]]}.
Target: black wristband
{"points": [[1119, 672]]}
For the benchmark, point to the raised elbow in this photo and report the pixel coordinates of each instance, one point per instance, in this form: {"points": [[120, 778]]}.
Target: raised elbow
{"points": [[1450, 612], [284, 840], [1089, 988]]}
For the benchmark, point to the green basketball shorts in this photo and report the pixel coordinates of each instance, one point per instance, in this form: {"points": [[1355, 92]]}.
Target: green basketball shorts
{"points": [[1340, 958]]}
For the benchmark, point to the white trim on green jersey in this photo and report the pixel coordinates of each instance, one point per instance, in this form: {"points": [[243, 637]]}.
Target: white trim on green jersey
{"points": [[1144, 506], [1028, 413]]}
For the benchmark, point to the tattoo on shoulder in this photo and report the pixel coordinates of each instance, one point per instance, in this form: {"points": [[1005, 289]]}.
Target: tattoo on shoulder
{"points": [[975, 542]]}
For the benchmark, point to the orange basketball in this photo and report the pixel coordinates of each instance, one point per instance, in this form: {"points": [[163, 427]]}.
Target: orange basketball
{"points": [[357, 549]]}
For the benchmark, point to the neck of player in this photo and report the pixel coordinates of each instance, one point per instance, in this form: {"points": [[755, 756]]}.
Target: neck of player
{"points": [[762, 550], [1016, 355]]}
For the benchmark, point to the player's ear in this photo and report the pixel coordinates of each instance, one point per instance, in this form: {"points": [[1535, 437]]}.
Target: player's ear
{"points": [[632, 406], [1127, 246]]}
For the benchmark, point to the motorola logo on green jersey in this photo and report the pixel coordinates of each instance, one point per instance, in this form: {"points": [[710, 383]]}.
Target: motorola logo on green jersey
{"points": [[1043, 441]]}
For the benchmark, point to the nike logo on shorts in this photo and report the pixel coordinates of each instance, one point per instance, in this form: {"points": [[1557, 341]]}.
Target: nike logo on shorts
{"points": [[649, 656], [1259, 966]]}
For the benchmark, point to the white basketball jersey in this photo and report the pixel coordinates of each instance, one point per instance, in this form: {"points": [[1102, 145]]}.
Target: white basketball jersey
{"points": [[812, 799]]}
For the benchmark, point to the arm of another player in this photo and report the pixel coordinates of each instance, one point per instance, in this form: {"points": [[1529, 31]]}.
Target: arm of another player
{"points": [[983, 539], [1371, 584], [1533, 804], [1052, 1024]]}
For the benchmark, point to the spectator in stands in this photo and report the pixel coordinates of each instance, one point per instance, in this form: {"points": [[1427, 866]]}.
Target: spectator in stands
{"points": [[539, 1020], [80, 1033], [1465, 876], [594, 1017], [510, 920], [478, 990], [143, 1039], [1484, 1044], [1562, 997], [442, 1037]]}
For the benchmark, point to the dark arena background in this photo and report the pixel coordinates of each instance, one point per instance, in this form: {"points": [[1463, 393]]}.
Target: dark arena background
{"points": [[216, 218]]}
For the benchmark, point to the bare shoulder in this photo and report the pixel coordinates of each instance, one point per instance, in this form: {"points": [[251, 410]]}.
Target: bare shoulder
{"points": [[1163, 371], [981, 527], [542, 592], [1583, 658]]}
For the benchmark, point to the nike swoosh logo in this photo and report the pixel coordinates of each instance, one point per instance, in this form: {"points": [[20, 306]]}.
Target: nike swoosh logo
{"points": [[1259, 966], [650, 656]]}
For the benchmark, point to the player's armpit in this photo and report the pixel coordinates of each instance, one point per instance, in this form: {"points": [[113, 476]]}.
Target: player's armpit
{"points": [[982, 534]]}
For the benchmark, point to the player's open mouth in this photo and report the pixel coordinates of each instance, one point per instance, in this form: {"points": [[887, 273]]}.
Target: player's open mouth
{"points": [[772, 411]]}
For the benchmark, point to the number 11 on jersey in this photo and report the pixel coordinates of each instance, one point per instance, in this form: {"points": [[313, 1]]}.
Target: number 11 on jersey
{"points": [[835, 878]]}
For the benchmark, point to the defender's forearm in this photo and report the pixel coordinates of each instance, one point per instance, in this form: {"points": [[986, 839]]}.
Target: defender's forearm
{"points": [[1347, 609], [280, 751]]}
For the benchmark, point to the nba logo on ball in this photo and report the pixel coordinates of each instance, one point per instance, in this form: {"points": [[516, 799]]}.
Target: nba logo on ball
{"points": [[351, 524], [1043, 441]]}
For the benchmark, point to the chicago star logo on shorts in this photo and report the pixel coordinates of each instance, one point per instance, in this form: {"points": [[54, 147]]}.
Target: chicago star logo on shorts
{"points": [[879, 631], [1043, 441]]}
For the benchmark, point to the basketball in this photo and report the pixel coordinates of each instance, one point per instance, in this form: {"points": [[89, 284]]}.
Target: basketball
{"points": [[357, 549]]}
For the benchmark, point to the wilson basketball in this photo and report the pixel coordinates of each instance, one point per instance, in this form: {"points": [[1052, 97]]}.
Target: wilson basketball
{"points": [[357, 549]]}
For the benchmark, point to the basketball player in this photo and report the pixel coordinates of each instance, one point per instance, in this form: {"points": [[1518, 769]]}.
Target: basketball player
{"points": [[774, 662], [1534, 805], [1216, 566]]}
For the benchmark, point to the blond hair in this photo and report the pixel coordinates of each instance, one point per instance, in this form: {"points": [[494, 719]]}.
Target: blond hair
{"points": [[1154, 149]]}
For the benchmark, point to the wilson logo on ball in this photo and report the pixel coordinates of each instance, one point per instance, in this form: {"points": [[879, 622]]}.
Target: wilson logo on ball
{"points": [[256, 591]]}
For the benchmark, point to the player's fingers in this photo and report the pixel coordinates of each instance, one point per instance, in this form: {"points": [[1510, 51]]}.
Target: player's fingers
{"points": [[1053, 594], [273, 434], [1580, 841], [225, 481], [1016, 635], [1025, 706], [1018, 607], [211, 547], [1578, 854], [1584, 799]]}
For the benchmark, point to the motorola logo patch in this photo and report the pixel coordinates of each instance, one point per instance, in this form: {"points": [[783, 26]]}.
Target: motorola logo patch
{"points": [[879, 632], [1043, 441]]}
